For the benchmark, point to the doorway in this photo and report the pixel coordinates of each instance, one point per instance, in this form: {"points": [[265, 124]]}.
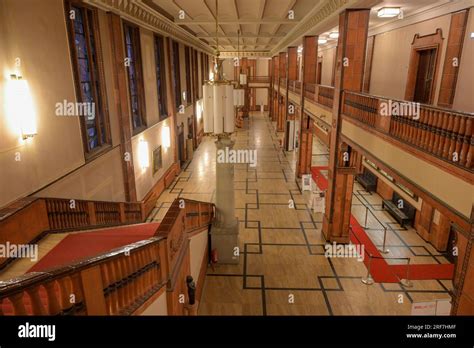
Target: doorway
{"points": [[425, 75]]}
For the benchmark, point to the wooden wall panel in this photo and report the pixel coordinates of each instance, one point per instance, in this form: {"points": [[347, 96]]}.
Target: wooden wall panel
{"points": [[384, 190]]}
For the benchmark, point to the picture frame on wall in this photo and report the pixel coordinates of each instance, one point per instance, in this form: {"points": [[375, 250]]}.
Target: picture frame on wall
{"points": [[157, 160]]}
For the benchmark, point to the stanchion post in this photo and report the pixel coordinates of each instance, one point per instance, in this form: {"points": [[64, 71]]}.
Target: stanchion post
{"points": [[368, 280], [384, 249], [406, 282]]}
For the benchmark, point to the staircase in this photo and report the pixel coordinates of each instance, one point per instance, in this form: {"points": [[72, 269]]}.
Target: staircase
{"points": [[123, 281]]}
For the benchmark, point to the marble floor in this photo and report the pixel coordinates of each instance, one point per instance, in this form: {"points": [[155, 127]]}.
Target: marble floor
{"points": [[282, 268]]}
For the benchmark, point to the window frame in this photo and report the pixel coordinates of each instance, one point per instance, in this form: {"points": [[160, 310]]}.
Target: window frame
{"points": [[176, 74], [138, 67], [160, 69], [189, 78], [96, 67]]}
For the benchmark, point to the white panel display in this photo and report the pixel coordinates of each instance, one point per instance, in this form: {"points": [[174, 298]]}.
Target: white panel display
{"points": [[243, 79], [208, 108], [229, 120], [219, 110]]}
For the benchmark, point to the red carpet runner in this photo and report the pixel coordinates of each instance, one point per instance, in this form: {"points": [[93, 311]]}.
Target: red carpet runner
{"points": [[86, 244], [381, 271]]}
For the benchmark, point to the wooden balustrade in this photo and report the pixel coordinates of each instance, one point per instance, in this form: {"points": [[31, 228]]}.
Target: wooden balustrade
{"points": [[118, 282], [27, 220], [325, 95], [361, 107], [444, 133], [113, 283]]}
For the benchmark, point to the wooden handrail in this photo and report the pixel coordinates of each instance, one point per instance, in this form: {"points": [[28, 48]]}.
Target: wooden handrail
{"points": [[117, 282]]}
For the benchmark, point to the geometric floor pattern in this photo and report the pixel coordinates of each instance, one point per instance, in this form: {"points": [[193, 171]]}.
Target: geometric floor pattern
{"points": [[282, 268]]}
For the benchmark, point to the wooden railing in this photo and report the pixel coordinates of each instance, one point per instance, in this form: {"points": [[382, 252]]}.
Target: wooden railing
{"points": [[444, 133], [118, 282], [27, 220], [295, 86], [259, 79], [325, 95]]}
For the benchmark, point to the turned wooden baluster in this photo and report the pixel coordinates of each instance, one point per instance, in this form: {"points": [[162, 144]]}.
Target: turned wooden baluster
{"points": [[133, 265], [141, 278], [53, 303], [127, 286], [460, 138], [470, 153], [442, 135], [437, 131], [106, 281], [406, 128], [121, 288], [151, 278], [18, 304], [454, 139], [412, 129], [447, 137], [114, 278], [466, 140], [36, 303], [419, 129], [77, 288], [427, 132]]}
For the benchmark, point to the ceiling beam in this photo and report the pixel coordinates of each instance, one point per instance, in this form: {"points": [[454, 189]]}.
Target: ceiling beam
{"points": [[235, 36], [239, 21]]}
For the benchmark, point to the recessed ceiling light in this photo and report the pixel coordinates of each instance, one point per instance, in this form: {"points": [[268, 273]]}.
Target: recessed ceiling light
{"points": [[334, 35], [322, 41], [388, 12], [472, 35]]}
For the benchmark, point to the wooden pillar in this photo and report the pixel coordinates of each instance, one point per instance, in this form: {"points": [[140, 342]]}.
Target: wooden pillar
{"points": [[122, 105], [276, 82], [309, 62], [282, 61], [457, 31], [244, 69], [292, 75], [463, 301], [350, 59]]}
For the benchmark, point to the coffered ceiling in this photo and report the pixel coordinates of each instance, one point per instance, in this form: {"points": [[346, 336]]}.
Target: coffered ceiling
{"points": [[262, 23]]}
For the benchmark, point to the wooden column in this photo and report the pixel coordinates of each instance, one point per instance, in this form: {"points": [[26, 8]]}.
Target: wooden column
{"points": [[309, 62], [292, 75], [457, 31], [463, 301], [282, 61], [350, 59], [122, 105], [244, 69], [276, 82]]}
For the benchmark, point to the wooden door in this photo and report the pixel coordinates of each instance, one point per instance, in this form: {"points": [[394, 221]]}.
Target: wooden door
{"points": [[425, 75]]}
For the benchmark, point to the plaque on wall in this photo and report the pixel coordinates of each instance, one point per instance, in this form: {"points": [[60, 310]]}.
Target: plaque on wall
{"points": [[157, 160]]}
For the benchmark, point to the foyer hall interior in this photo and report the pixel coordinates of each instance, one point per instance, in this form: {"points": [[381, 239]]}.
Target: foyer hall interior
{"points": [[361, 115]]}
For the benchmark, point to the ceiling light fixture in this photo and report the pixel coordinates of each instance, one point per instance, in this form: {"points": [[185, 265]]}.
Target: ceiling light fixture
{"points": [[388, 12], [322, 41], [334, 35]]}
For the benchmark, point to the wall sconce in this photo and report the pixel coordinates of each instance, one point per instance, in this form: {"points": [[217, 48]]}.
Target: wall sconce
{"points": [[165, 136], [20, 106], [199, 110], [184, 95], [388, 12], [143, 154]]}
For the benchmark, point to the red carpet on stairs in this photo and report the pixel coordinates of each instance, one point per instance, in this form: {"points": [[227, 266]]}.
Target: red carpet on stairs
{"points": [[381, 271], [86, 244]]}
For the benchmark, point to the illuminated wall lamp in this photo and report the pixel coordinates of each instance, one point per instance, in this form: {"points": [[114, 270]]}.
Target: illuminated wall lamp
{"points": [[334, 35], [165, 137], [143, 154], [20, 106], [322, 41], [388, 12]]}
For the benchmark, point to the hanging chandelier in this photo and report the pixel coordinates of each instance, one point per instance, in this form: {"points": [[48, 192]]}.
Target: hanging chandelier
{"points": [[218, 93]]}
